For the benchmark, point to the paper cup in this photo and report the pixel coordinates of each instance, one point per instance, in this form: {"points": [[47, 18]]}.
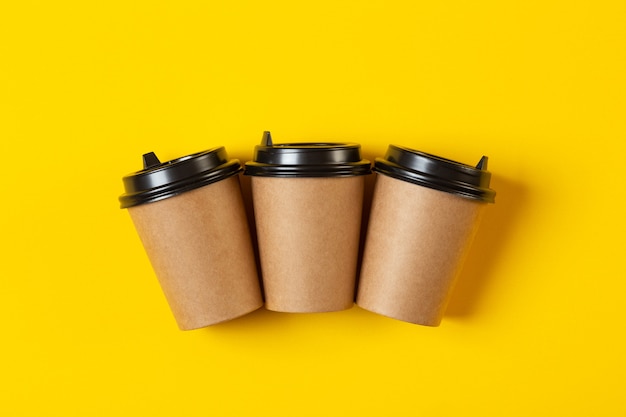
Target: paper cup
{"points": [[190, 217], [425, 212], [308, 202]]}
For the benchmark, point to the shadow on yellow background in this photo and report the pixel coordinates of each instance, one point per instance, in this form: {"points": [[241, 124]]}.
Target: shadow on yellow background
{"points": [[497, 228]]}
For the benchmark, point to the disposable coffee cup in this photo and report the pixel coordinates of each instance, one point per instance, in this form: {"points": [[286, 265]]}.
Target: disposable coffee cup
{"points": [[307, 200], [190, 216], [425, 213]]}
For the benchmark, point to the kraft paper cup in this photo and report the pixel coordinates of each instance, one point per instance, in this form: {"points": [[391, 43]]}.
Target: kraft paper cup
{"points": [[190, 217], [425, 212], [307, 201]]}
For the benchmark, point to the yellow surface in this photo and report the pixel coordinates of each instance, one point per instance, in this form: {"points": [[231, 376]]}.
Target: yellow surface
{"points": [[536, 325]]}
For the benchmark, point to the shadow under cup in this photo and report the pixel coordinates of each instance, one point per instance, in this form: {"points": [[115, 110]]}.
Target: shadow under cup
{"points": [[190, 216], [425, 212], [307, 200]]}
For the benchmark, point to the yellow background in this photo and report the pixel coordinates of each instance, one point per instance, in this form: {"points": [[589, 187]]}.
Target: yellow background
{"points": [[536, 324]]}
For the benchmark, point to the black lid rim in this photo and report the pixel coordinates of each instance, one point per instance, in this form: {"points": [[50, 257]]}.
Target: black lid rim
{"points": [[313, 146], [222, 172], [258, 169], [458, 188], [350, 151], [307, 159]]}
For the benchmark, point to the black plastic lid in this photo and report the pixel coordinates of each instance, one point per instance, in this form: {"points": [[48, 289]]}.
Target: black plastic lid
{"points": [[306, 160], [437, 173], [159, 180]]}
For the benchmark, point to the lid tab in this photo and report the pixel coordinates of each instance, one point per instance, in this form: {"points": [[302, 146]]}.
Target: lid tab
{"points": [[266, 140], [482, 164], [150, 160]]}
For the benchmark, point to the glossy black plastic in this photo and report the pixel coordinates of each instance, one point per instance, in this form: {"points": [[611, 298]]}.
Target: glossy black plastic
{"points": [[438, 173], [306, 159], [159, 180]]}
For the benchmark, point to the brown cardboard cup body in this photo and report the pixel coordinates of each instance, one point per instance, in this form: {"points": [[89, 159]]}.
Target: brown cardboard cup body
{"points": [[199, 245], [416, 242], [308, 232]]}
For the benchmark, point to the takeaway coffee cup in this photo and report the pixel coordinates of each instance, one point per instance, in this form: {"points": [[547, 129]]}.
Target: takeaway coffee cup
{"points": [[425, 212], [190, 217], [307, 201]]}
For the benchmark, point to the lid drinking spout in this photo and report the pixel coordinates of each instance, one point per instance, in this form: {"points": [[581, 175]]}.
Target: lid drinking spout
{"points": [[150, 160], [482, 164], [267, 139]]}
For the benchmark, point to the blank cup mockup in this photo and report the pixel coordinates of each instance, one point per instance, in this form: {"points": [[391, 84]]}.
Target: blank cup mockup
{"points": [[425, 213], [190, 216], [307, 205]]}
